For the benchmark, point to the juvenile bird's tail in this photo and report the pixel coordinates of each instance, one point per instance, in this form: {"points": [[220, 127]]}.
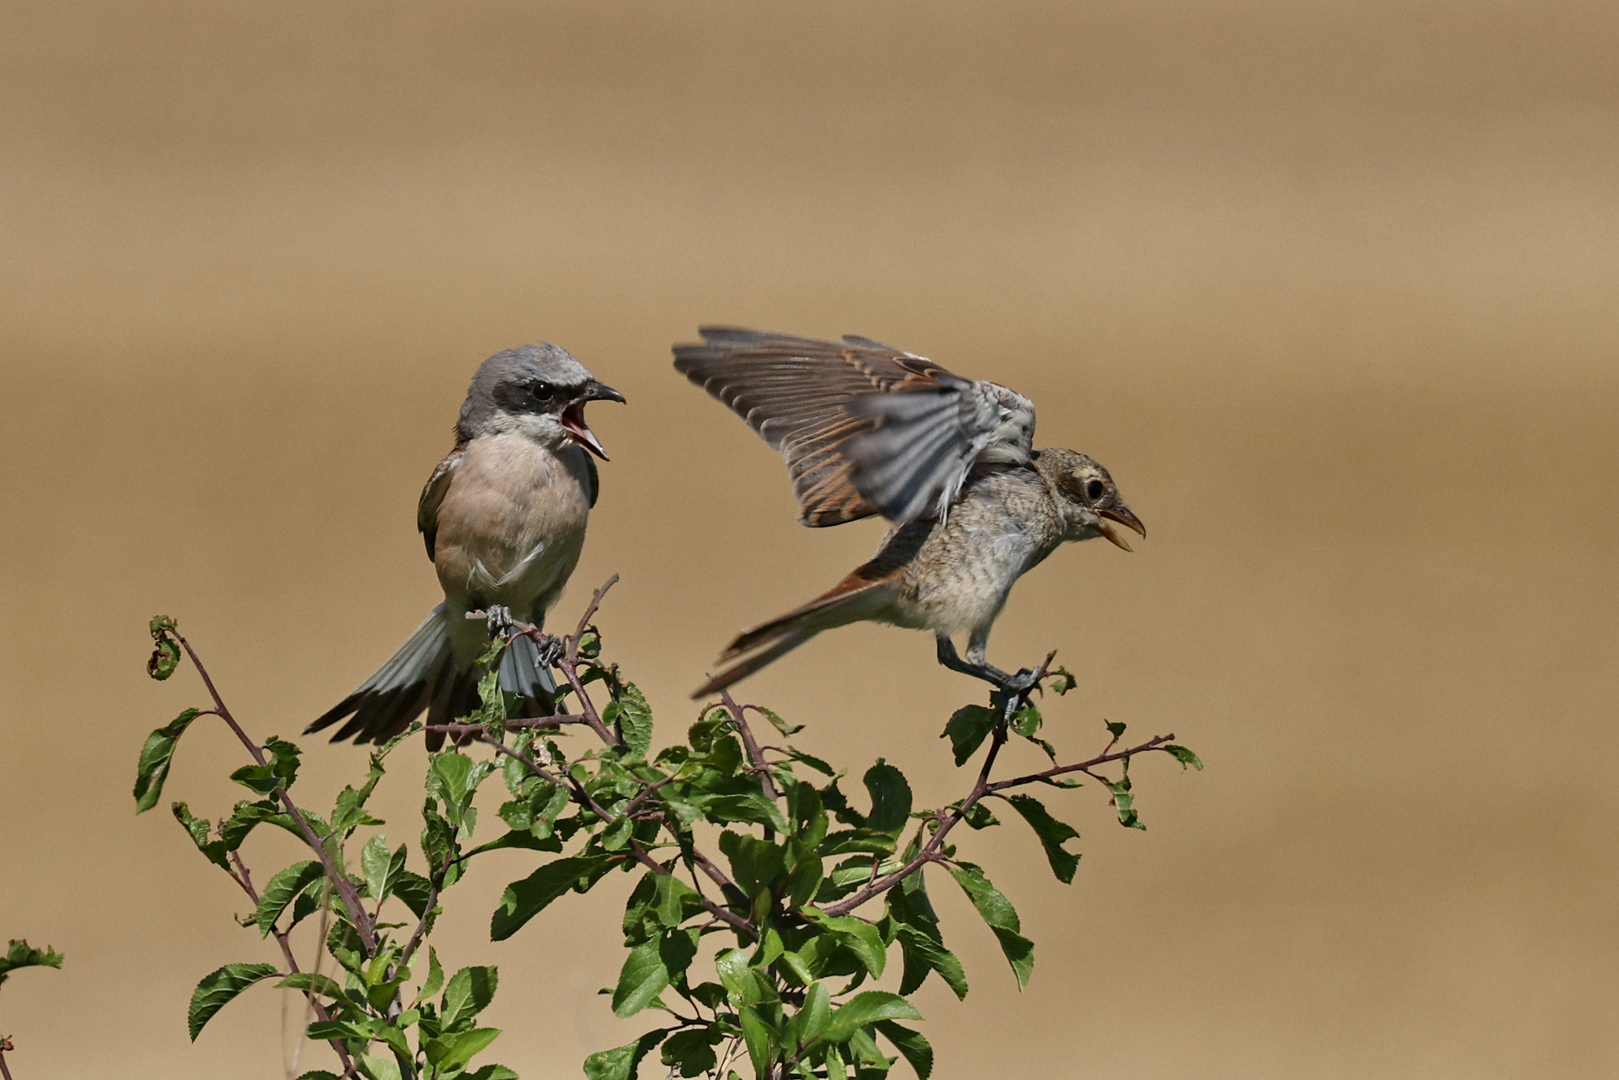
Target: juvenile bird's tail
{"points": [[423, 675], [857, 597]]}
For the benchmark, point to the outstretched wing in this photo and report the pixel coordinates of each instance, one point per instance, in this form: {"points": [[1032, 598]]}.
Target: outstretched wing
{"points": [[865, 428]]}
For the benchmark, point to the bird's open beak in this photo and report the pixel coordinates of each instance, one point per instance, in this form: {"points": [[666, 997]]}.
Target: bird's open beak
{"points": [[1124, 517], [573, 417]]}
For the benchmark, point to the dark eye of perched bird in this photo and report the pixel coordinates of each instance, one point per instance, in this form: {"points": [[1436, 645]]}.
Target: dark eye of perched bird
{"points": [[1094, 489], [543, 391]]}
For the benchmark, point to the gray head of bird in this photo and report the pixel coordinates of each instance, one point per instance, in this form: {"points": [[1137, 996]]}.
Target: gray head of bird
{"points": [[1089, 496], [535, 390]]}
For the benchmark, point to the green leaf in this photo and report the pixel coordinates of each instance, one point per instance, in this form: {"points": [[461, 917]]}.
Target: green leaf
{"points": [[318, 1074], [247, 816], [633, 717], [968, 727], [435, 976], [929, 954], [525, 899], [979, 816], [858, 936], [780, 725], [1115, 729], [468, 993], [890, 798], [997, 911], [755, 863], [641, 980], [489, 1072], [1062, 681], [758, 1035], [737, 976], [871, 1062], [911, 1045], [412, 889], [835, 1068], [868, 1007], [20, 954], [749, 806], [450, 778], [620, 1063], [461, 1049], [813, 762], [156, 756], [1184, 756], [381, 868], [378, 1067], [216, 990], [810, 1022], [283, 889], [864, 840], [1026, 721], [1125, 803], [675, 900], [166, 650], [692, 1051], [311, 982], [201, 835], [361, 1028], [1052, 833]]}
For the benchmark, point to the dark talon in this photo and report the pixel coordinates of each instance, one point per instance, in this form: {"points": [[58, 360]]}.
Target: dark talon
{"points": [[550, 650]]}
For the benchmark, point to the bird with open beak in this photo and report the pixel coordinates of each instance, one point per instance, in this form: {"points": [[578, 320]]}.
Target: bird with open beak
{"points": [[503, 517], [868, 429]]}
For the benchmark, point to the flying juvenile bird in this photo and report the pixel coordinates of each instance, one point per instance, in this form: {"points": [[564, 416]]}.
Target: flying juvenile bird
{"points": [[869, 429], [503, 516]]}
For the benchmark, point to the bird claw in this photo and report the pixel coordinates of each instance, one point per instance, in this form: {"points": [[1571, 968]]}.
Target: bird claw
{"points": [[551, 650], [1023, 682], [501, 623]]}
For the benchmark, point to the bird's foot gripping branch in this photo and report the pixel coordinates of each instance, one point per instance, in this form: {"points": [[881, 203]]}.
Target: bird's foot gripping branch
{"points": [[769, 899]]}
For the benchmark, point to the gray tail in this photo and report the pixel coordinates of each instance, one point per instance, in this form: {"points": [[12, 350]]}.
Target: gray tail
{"points": [[423, 675]]}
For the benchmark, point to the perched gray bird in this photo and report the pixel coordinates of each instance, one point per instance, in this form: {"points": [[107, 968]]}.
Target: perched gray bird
{"points": [[503, 516], [867, 429]]}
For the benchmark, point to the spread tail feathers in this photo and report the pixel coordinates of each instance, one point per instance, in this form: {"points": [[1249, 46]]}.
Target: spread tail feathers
{"points": [[423, 675], [858, 596]]}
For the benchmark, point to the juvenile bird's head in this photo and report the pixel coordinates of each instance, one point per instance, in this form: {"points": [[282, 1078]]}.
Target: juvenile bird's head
{"points": [[1091, 498], [535, 390]]}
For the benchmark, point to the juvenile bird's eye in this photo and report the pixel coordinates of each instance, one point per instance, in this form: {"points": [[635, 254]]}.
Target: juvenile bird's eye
{"points": [[542, 390], [1094, 489]]}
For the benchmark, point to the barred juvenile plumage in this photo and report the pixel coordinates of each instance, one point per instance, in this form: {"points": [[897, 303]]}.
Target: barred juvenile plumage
{"points": [[866, 429]]}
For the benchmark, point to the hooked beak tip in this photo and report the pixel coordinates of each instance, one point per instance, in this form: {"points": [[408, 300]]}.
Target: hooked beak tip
{"points": [[1126, 518]]}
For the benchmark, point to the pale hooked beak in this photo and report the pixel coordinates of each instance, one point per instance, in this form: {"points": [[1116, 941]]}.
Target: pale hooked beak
{"points": [[1124, 517], [573, 417]]}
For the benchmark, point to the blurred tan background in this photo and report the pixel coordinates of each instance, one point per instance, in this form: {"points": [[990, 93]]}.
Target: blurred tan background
{"points": [[1329, 287]]}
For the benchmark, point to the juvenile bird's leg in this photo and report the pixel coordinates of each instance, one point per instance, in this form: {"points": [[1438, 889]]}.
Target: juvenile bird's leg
{"points": [[978, 668]]}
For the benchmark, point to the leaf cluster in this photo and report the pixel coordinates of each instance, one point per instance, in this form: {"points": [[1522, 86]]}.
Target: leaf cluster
{"points": [[771, 894]]}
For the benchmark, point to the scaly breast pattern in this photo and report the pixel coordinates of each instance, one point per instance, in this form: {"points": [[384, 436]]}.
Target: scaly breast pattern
{"points": [[961, 575]]}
